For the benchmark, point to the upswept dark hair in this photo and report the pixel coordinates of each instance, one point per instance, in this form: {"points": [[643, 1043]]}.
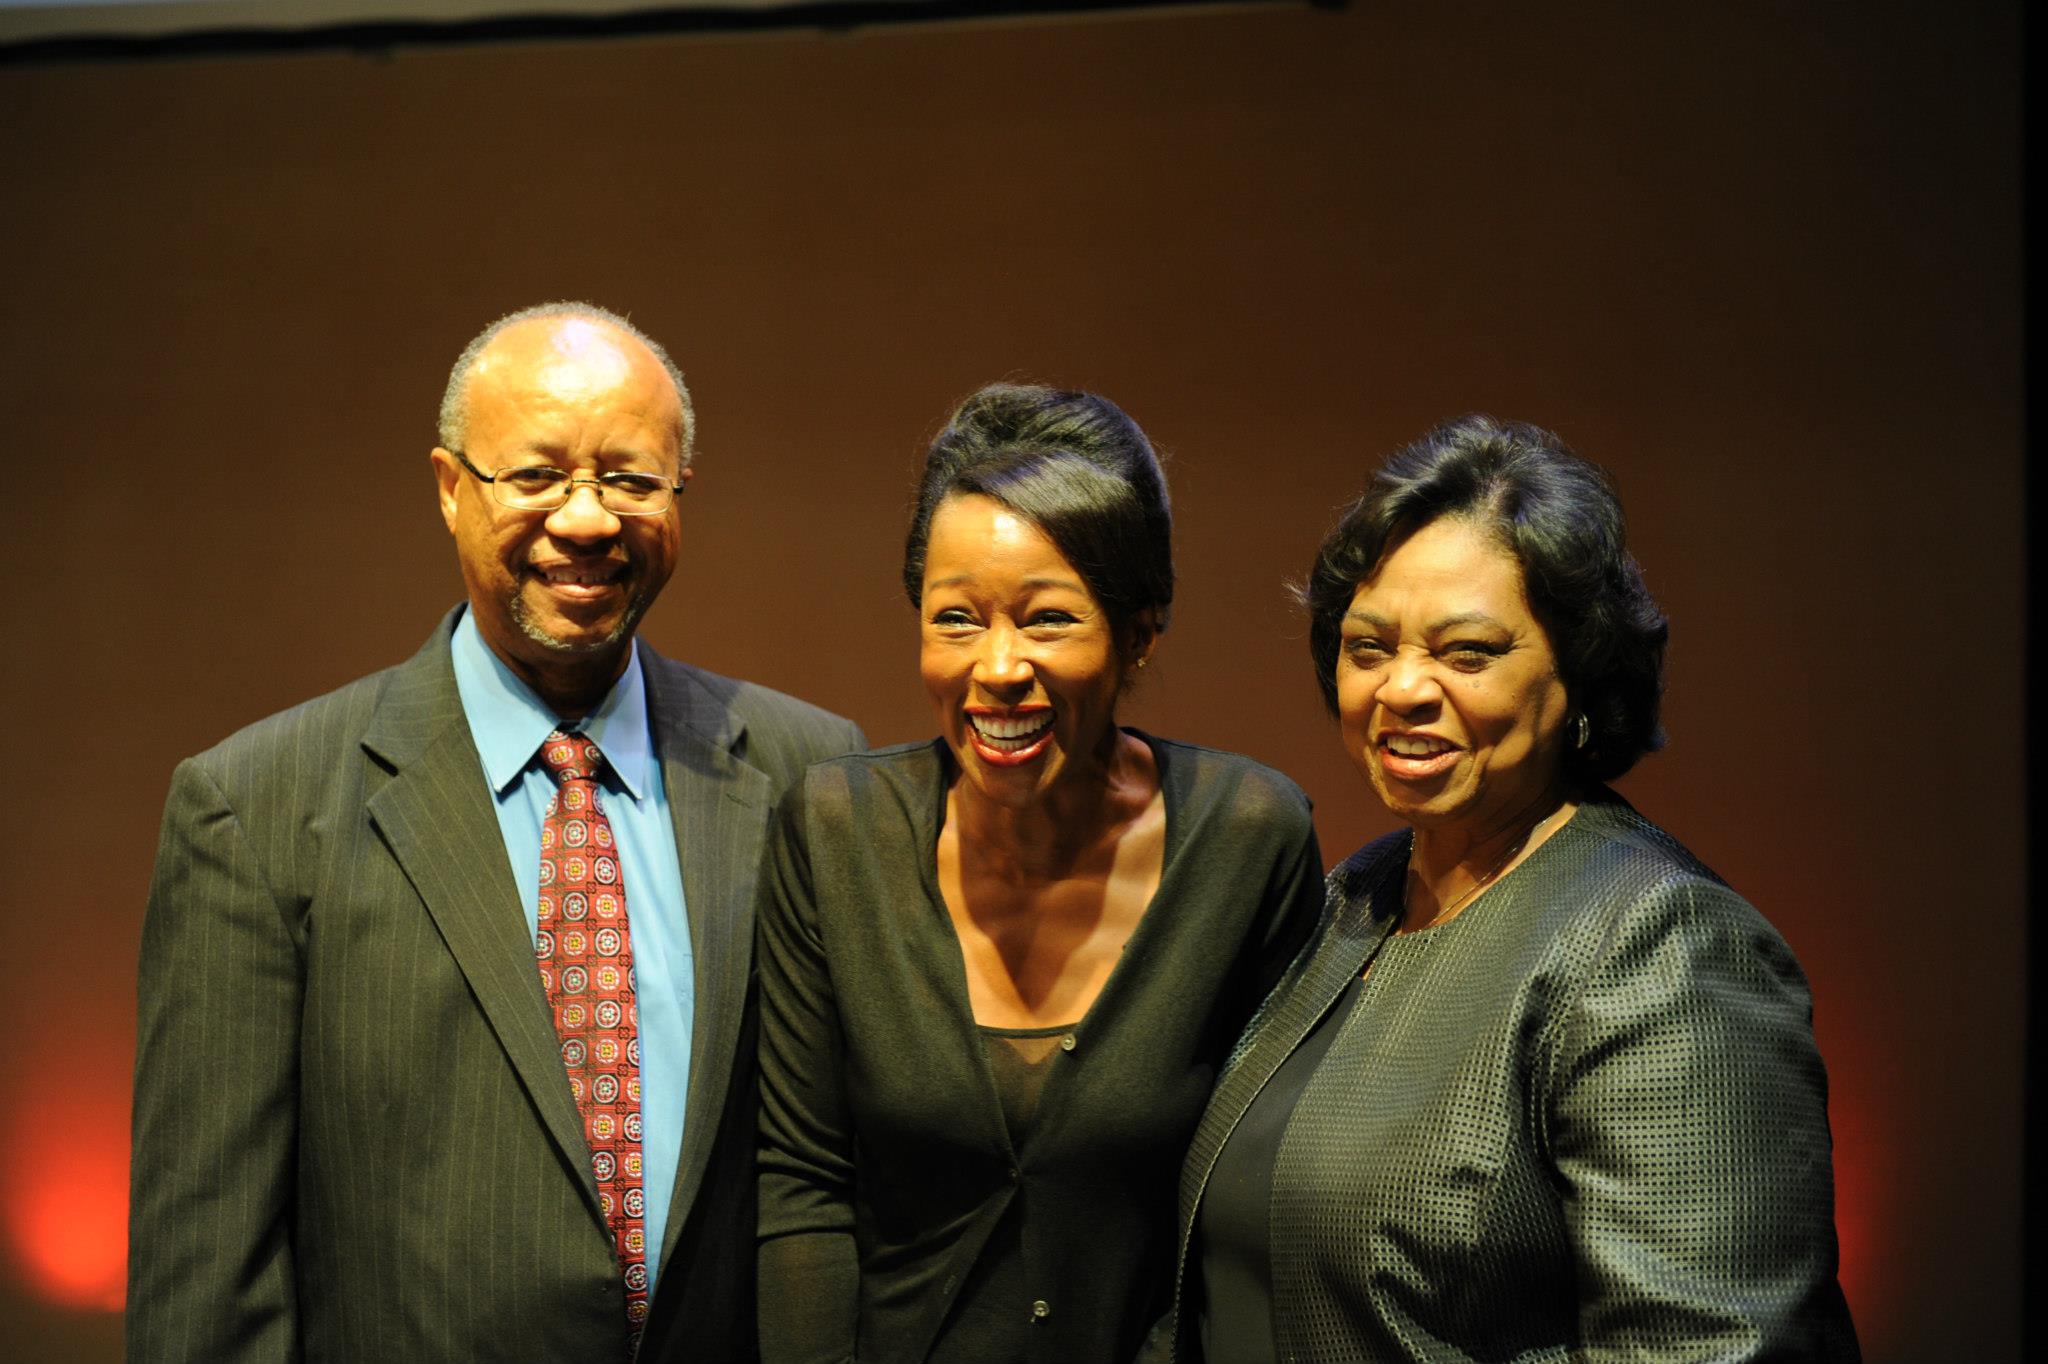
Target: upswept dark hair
{"points": [[1075, 466], [1558, 515]]}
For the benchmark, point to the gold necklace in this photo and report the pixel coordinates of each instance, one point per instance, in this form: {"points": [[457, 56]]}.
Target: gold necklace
{"points": [[1484, 881]]}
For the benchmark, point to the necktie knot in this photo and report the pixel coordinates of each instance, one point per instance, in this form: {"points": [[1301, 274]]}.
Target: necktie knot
{"points": [[570, 757]]}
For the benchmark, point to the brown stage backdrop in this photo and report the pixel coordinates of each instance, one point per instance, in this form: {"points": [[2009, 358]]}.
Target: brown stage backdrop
{"points": [[1765, 266]]}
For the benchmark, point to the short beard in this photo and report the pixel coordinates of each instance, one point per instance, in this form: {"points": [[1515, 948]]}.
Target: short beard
{"points": [[628, 623]]}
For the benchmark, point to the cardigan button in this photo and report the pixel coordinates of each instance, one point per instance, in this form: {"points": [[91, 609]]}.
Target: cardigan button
{"points": [[1068, 1042], [1040, 1310]]}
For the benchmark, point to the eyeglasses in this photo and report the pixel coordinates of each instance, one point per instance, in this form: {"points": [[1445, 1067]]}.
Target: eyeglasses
{"points": [[543, 487]]}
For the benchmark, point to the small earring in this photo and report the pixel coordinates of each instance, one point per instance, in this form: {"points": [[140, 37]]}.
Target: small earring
{"points": [[1582, 730], [1142, 662]]}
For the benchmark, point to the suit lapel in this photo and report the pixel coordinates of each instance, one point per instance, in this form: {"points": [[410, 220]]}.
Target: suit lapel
{"points": [[721, 807], [437, 817]]}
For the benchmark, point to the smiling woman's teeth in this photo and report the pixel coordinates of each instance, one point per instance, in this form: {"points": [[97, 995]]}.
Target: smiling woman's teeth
{"points": [[1007, 734], [1416, 747]]}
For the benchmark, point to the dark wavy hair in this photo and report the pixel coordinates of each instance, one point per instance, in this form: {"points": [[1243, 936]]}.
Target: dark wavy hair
{"points": [[1075, 466], [1558, 515]]}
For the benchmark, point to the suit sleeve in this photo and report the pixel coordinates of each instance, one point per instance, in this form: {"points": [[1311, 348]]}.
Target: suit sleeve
{"points": [[808, 1265], [828, 736], [210, 1271], [1688, 1123]]}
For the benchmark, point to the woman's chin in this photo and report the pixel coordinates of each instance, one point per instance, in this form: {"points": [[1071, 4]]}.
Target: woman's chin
{"points": [[1432, 807], [1413, 798], [1001, 778]]}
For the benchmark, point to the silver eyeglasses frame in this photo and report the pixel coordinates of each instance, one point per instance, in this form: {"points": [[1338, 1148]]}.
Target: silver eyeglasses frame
{"points": [[564, 484]]}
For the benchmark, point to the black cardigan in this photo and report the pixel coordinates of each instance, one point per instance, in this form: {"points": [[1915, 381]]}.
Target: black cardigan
{"points": [[885, 1160]]}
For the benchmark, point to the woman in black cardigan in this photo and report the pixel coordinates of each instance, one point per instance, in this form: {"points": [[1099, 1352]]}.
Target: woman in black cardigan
{"points": [[1544, 1088], [1000, 969]]}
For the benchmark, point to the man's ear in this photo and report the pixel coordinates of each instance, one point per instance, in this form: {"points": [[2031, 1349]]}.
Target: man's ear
{"points": [[447, 475]]}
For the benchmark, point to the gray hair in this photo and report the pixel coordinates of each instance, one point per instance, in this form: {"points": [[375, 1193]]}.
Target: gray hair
{"points": [[454, 426]]}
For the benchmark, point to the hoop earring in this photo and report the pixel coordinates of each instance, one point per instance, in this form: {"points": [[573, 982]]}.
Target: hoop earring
{"points": [[1582, 730]]}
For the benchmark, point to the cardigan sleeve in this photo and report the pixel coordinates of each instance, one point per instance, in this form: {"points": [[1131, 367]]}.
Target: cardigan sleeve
{"points": [[1687, 1119], [808, 1265], [1294, 902]]}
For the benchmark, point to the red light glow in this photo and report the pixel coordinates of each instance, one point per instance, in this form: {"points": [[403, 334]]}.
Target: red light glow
{"points": [[67, 1196], [1866, 1175]]}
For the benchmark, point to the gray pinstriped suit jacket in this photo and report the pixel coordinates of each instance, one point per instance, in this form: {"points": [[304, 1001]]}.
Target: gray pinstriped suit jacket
{"points": [[1583, 1121], [354, 1138]]}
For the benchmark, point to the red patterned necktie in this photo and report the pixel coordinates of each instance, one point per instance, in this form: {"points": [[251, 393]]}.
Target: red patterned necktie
{"points": [[586, 966]]}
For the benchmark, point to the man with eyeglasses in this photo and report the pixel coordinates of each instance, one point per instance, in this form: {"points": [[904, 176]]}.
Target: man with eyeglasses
{"points": [[446, 1012]]}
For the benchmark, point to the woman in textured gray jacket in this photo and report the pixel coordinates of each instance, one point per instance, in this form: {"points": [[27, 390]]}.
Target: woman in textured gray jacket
{"points": [[1545, 1088]]}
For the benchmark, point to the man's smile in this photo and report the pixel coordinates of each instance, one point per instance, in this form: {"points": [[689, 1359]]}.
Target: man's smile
{"points": [[580, 579]]}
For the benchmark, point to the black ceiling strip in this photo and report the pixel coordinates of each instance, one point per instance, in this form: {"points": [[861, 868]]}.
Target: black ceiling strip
{"points": [[659, 21]]}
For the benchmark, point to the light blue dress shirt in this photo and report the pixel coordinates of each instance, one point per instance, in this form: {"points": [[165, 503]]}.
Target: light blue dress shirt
{"points": [[509, 723]]}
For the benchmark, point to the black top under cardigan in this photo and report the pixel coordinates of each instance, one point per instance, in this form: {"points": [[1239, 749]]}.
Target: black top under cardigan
{"points": [[1582, 1121], [888, 1177]]}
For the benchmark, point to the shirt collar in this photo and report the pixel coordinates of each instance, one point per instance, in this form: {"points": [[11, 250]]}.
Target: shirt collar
{"points": [[510, 723]]}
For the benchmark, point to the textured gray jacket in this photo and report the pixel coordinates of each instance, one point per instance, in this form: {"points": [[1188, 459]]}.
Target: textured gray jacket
{"points": [[1584, 1120]]}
